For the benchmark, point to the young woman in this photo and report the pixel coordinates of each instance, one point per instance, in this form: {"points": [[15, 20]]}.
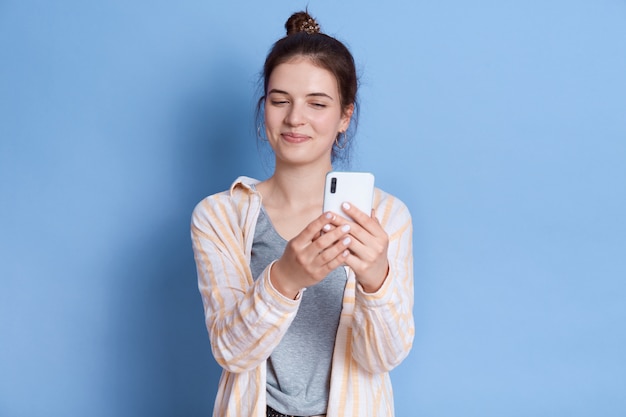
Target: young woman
{"points": [[260, 245]]}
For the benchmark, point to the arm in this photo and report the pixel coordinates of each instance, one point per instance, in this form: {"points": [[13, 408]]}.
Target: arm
{"points": [[383, 327], [245, 319]]}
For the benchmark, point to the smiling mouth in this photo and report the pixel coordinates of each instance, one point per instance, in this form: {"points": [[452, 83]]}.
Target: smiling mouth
{"points": [[294, 137]]}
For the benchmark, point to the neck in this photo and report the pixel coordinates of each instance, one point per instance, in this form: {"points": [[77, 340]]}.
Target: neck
{"points": [[296, 187]]}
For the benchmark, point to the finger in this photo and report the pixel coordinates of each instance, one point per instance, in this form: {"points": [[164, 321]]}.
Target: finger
{"points": [[337, 261], [371, 224], [329, 259], [357, 215], [365, 253], [364, 236], [373, 216], [313, 229], [356, 230], [332, 236], [325, 229], [368, 273], [355, 263], [337, 250]]}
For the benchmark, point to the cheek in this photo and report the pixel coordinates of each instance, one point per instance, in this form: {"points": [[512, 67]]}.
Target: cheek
{"points": [[271, 117], [330, 123]]}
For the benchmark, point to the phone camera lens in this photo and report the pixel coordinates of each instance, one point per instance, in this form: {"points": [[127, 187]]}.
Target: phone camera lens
{"points": [[333, 185]]}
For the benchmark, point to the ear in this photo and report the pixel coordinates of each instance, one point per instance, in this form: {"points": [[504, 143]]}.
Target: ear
{"points": [[346, 117]]}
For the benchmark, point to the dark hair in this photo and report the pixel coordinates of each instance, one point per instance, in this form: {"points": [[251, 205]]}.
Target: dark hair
{"points": [[304, 39]]}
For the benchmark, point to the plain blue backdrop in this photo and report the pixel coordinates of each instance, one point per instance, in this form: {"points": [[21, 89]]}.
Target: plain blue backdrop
{"points": [[501, 124]]}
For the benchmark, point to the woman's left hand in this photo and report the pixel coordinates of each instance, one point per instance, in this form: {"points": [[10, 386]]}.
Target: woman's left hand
{"points": [[367, 248]]}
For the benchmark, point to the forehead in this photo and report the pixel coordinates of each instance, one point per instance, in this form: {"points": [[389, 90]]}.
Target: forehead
{"points": [[301, 75]]}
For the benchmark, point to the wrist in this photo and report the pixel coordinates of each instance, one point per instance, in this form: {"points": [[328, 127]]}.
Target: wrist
{"points": [[373, 286], [371, 289], [280, 283]]}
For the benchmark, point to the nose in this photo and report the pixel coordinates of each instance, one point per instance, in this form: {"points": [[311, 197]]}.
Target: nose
{"points": [[295, 116]]}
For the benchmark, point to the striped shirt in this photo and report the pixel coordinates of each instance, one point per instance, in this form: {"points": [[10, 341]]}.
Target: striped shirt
{"points": [[246, 318]]}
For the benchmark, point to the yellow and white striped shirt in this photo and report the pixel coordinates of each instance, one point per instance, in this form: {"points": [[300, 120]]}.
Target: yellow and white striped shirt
{"points": [[246, 318]]}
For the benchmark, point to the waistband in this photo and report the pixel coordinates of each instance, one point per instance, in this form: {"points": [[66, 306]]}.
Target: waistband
{"points": [[273, 413]]}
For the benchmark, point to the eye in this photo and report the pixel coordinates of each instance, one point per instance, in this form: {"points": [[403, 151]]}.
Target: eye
{"points": [[319, 105], [279, 102]]}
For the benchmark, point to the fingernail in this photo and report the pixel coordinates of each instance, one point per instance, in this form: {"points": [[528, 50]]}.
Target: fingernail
{"points": [[346, 241], [326, 227], [345, 228], [345, 253], [329, 215], [346, 206]]}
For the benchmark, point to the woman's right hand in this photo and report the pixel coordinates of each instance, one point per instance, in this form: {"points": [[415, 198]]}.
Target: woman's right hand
{"points": [[311, 255]]}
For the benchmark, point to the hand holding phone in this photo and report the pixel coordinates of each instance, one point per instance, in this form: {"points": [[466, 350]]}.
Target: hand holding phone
{"points": [[367, 254]]}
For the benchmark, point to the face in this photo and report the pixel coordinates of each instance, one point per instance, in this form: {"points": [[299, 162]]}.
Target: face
{"points": [[303, 113]]}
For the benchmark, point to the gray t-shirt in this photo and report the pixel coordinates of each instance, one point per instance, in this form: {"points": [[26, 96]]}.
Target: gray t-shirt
{"points": [[298, 371]]}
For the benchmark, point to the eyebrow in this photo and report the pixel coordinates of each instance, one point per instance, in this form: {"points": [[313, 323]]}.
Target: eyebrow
{"points": [[277, 91]]}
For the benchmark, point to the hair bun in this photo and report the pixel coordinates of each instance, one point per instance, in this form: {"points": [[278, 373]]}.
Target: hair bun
{"points": [[302, 22]]}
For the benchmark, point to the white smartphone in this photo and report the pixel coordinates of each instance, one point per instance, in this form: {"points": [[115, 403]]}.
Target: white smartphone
{"points": [[356, 188]]}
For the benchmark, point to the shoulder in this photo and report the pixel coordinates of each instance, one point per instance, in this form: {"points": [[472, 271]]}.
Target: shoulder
{"points": [[393, 215], [229, 204], [387, 204]]}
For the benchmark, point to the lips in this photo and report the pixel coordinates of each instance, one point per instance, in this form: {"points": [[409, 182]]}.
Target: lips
{"points": [[294, 137]]}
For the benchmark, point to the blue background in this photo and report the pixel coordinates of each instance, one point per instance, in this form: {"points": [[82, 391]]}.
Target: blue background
{"points": [[501, 124]]}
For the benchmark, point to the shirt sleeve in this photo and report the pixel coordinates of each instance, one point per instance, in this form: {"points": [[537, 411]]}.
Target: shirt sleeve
{"points": [[383, 324], [245, 318]]}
